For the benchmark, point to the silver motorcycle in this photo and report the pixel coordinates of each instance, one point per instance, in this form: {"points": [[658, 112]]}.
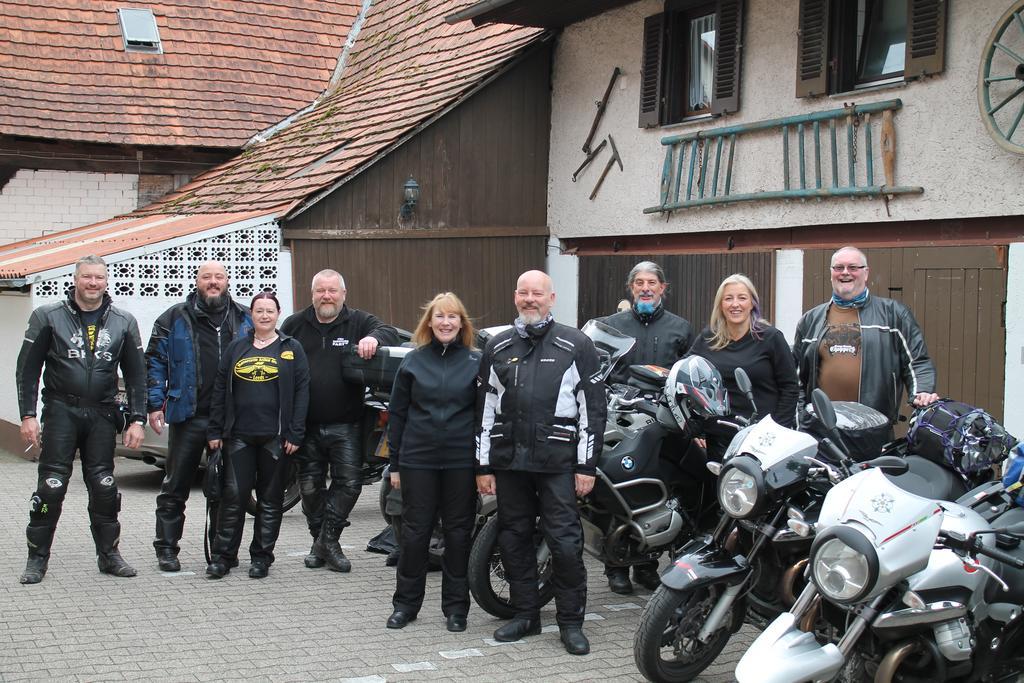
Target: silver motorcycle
{"points": [[903, 588]]}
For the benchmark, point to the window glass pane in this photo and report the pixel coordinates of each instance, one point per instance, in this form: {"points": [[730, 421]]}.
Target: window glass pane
{"points": [[881, 39], [701, 62]]}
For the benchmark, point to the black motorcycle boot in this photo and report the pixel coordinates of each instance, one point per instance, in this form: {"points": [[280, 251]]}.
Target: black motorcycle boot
{"points": [[108, 558], [40, 538], [167, 560], [327, 548], [647, 576], [312, 560], [618, 580]]}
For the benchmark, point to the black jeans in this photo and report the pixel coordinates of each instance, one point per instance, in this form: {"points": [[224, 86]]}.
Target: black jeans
{"points": [[338, 448], [424, 494], [65, 430], [251, 461], [521, 497], [186, 443]]}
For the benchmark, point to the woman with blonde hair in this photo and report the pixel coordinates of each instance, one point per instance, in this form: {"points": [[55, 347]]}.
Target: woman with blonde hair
{"points": [[431, 435], [737, 336]]}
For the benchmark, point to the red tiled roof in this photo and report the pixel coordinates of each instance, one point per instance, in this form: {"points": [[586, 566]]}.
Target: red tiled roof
{"points": [[407, 66], [229, 69], [41, 254]]}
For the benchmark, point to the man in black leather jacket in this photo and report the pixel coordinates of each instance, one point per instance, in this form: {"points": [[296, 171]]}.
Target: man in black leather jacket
{"points": [[861, 347], [81, 342], [662, 338], [542, 415], [327, 329]]}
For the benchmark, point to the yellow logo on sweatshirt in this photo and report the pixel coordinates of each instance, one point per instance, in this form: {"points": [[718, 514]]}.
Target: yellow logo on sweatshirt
{"points": [[256, 369], [287, 355]]}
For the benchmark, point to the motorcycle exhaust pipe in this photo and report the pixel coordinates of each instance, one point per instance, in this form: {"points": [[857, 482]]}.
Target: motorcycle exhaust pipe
{"points": [[810, 617], [787, 585], [891, 662]]}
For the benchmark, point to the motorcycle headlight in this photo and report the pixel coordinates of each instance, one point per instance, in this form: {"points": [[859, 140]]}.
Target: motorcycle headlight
{"points": [[844, 565], [741, 488]]}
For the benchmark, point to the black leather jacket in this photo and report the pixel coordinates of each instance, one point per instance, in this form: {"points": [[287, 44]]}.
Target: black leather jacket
{"points": [[542, 403], [893, 354], [661, 340], [57, 338]]}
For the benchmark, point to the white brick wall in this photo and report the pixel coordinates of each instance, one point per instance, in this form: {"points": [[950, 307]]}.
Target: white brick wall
{"points": [[34, 203]]}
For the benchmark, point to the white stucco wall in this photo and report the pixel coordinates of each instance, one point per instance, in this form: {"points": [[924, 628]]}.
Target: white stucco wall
{"points": [[35, 203], [564, 272], [941, 142], [15, 308], [1013, 407], [789, 291]]}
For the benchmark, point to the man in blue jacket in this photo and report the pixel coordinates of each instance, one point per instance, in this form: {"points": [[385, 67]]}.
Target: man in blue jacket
{"points": [[182, 359]]}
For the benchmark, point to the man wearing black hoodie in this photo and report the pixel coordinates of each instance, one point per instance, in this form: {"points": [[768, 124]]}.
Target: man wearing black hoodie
{"points": [[326, 330]]}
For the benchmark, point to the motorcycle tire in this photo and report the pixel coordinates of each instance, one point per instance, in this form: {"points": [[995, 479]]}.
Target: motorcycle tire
{"points": [[291, 491], [665, 648], [487, 574]]}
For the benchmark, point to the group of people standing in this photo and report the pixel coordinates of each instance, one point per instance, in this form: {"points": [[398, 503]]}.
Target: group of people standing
{"points": [[522, 418]]}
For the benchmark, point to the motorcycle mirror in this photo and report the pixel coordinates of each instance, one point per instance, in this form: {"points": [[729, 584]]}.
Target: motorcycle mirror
{"points": [[890, 464], [743, 382], [823, 409]]}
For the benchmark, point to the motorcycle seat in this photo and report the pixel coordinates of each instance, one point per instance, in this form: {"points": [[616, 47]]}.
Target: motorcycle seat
{"points": [[647, 377], [926, 479]]}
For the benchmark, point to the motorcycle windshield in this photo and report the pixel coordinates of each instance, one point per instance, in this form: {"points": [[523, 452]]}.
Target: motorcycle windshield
{"points": [[611, 344]]}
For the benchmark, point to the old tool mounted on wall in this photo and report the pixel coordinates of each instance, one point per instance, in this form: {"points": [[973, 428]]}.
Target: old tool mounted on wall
{"points": [[616, 159], [602, 104]]}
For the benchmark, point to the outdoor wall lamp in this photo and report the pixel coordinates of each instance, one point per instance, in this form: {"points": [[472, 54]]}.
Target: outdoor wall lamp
{"points": [[411, 195]]}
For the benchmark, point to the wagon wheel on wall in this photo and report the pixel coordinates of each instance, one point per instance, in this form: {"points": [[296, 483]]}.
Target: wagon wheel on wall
{"points": [[1001, 80]]}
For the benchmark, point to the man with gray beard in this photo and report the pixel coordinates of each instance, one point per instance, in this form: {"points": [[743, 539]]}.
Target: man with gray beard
{"points": [[327, 330], [182, 360]]}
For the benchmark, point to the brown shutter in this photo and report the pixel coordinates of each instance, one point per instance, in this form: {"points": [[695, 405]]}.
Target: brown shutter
{"points": [[650, 71], [728, 56], [812, 49], [926, 37]]}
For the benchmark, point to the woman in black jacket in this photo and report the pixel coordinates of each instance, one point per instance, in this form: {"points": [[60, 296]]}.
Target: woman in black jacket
{"points": [[737, 336], [258, 415], [431, 430]]}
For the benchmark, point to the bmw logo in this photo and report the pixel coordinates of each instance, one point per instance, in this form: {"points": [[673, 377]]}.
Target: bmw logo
{"points": [[627, 463]]}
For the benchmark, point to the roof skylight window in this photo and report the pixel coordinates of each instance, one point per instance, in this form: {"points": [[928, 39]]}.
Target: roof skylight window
{"points": [[138, 26]]}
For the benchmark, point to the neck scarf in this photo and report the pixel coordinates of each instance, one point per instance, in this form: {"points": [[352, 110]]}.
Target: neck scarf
{"points": [[646, 311], [856, 302], [526, 331]]}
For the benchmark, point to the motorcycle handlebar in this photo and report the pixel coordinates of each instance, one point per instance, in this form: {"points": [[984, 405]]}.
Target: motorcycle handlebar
{"points": [[973, 544]]}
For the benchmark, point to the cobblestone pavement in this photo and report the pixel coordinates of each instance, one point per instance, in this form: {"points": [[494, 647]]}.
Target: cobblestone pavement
{"points": [[296, 625]]}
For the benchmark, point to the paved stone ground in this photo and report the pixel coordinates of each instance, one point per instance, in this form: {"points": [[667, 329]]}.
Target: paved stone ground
{"points": [[296, 625]]}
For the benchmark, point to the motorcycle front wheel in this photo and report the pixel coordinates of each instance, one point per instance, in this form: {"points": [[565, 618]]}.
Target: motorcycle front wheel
{"points": [[666, 647], [486, 572]]}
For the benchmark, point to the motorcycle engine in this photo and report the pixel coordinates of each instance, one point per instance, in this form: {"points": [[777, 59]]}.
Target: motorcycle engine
{"points": [[954, 639]]}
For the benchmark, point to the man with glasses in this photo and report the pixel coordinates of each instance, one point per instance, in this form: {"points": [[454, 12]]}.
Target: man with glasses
{"points": [[861, 347]]}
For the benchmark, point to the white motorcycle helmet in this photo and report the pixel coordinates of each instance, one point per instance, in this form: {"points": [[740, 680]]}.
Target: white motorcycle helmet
{"points": [[694, 388]]}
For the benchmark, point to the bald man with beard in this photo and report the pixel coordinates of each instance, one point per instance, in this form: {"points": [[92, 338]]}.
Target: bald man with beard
{"points": [[184, 352]]}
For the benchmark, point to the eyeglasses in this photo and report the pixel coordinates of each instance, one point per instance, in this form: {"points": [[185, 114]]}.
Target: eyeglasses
{"points": [[838, 268]]}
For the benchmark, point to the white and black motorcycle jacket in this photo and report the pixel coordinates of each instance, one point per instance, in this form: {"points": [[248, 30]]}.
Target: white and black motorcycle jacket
{"points": [[57, 338], [542, 403]]}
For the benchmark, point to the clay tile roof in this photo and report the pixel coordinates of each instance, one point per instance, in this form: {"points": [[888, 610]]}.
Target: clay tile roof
{"points": [[121, 236], [228, 69], [407, 67]]}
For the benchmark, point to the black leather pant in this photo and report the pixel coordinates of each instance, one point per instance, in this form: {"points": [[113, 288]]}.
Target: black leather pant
{"points": [[186, 443], [521, 497], [424, 494], [65, 430], [336, 447], [248, 462]]}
